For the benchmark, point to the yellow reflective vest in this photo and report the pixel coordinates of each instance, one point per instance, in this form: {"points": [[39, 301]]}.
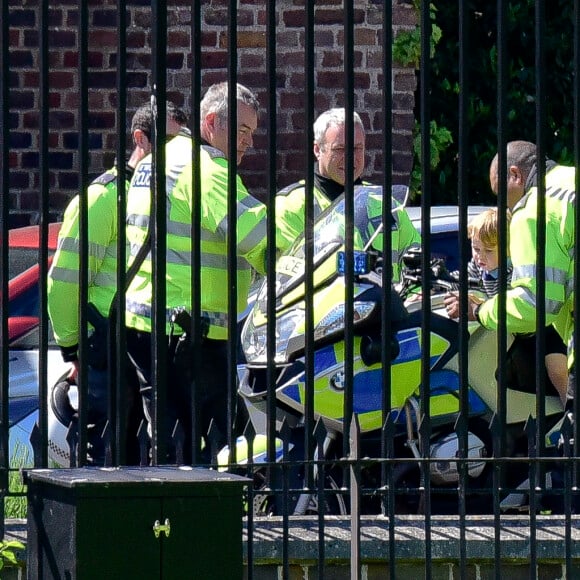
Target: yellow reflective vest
{"points": [[213, 200], [63, 277], [290, 221], [521, 300]]}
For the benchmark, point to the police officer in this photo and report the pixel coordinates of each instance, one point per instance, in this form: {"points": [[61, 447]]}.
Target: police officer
{"points": [[63, 277], [211, 386], [329, 179], [521, 301]]}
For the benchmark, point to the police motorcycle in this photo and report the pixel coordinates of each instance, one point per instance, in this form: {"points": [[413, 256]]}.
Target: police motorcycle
{"points": [[329, 381]]}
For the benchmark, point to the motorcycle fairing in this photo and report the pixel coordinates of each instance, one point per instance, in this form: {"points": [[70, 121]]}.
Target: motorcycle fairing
{"points": [[330, 381]]}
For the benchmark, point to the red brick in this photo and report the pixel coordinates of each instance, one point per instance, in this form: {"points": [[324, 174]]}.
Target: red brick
{"points": [[61, 80], [214, 59], [102, 38], [254, 61], [178, 38]]}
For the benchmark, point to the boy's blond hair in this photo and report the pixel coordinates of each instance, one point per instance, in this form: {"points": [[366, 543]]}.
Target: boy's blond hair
{"points": [[484, 225]]}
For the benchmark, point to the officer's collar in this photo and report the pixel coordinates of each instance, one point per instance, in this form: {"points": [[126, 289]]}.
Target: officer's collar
{"points": [[329, 187], [128, 169], [532, 180]]}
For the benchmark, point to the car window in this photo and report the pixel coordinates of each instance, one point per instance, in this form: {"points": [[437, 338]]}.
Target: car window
{"points": [[20, 259], [30, 340]]}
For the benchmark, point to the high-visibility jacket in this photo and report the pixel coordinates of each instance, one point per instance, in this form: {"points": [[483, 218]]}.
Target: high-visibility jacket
{"points": [[521, 300], [213, 200], [291, 212], [63, 277], [403, 233], [290, 221]]}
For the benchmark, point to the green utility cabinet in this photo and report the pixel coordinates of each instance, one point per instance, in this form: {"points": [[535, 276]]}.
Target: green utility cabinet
{"points": [[134, 522]]}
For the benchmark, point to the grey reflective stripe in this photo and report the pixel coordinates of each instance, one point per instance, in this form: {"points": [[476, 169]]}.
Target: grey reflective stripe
{"points": [[64, 275], [553, 275], [221, 262], [242, 206], [181, 258], [72, 245], [552, 306], [561, 194], [253, 238], [569, 287], [138, 220], [134, 250], [216, 318], [103, 279], [145, 310], [107, 279], [395, 212], [524, 294], [317, 207], [179, 229], [250, 202]]}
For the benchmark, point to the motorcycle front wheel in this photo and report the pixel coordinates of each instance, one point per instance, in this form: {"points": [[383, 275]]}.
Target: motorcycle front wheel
{"points": [[266, 501]]}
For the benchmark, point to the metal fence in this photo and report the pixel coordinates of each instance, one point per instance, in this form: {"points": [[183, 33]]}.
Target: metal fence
{"points": [[442, 433]]}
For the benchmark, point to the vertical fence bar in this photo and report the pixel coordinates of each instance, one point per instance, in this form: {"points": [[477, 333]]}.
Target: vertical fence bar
{"points": [[158, 223], [387, 448], [574, 383], [462, 425], [83, 153], [348, 418], [232, 213], [500, 418], [195, 222], [424, 422], [44, 184], [271, 181], [537, 469], [309, 217], [4, 207], [117, 341]]}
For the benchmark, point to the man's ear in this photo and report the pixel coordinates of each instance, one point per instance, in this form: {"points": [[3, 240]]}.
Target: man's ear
{"points": [[141, 140], [316, 150], [515, 175], [210, 121]]}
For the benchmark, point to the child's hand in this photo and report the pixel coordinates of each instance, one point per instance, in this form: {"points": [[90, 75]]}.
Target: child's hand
{"points": [[451, 301]]}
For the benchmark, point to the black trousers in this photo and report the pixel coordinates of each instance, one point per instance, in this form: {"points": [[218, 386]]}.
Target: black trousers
{"points": [[210, 392], [99, 392]]}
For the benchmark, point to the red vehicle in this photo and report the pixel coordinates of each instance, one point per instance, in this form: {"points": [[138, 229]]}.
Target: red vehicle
{"points": [[23, 297]]}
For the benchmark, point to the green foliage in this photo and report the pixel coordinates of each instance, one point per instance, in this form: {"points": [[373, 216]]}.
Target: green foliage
{"points": [[407, 44], [8, 557], [15, 503], [407, 51], [440, 139], [480, 82]]}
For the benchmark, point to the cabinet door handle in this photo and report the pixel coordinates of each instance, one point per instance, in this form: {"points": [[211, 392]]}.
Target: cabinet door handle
{"points": [[159, 528]]}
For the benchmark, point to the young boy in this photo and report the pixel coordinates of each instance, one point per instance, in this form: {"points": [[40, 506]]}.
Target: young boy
{"points": [[484, 266]]}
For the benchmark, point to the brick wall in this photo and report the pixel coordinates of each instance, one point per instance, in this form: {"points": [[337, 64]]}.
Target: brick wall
{"points": [[64, 84]]}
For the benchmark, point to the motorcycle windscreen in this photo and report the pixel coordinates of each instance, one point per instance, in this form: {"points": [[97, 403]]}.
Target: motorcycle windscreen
{"points": [[328, 240]]}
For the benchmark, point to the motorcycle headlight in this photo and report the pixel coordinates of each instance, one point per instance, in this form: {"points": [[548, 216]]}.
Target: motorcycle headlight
{"points": [[254, 339], [334, 321]]}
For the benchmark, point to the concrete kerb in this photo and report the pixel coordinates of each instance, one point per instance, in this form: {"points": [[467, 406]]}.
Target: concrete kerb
{"points": [[409, 535]]}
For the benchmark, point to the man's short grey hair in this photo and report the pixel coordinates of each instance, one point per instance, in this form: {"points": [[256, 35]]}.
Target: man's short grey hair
{"points": [[523, 155], [215, 100], [332, 118], [520, 154]]}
